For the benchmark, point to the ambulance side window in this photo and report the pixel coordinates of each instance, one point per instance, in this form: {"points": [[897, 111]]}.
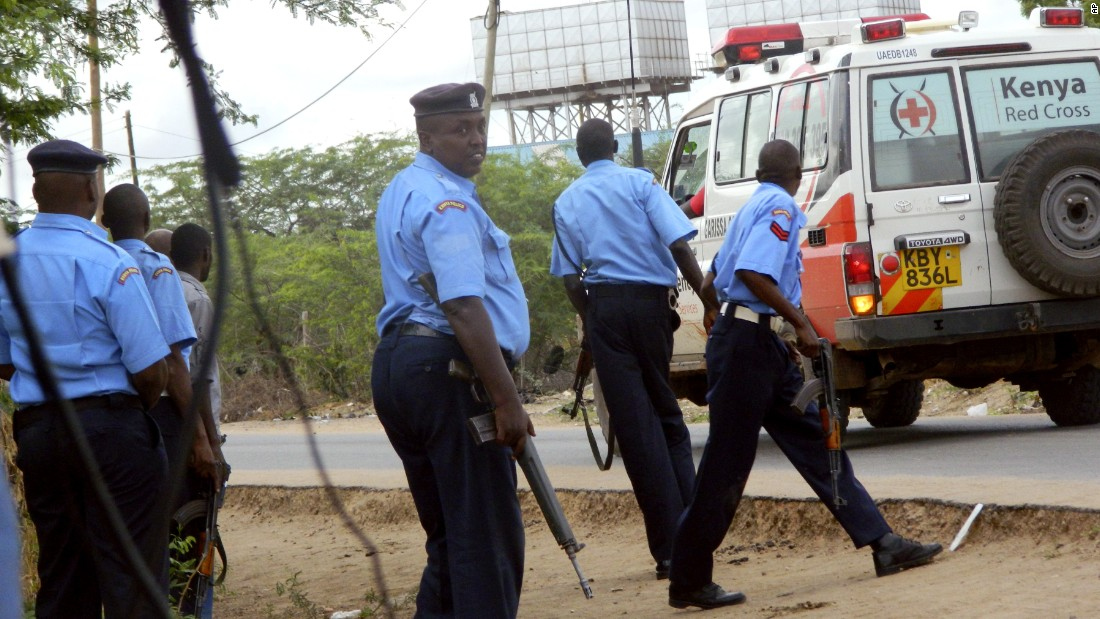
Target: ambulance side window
{"points": [[802, 120], [689, 168], [915, 137], [742, 131], [1013, 105]]}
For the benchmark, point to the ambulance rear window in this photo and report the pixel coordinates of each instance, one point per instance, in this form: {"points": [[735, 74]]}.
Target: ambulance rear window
{"points": [[743, 123], [1013, 105], [915, 137]]}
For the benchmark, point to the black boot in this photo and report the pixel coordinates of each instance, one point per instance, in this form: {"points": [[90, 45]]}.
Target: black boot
{"points": [[709, 596], [893, 553]]}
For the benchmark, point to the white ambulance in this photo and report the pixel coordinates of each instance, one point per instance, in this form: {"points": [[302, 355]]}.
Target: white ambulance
{"points": [[951, 177]]}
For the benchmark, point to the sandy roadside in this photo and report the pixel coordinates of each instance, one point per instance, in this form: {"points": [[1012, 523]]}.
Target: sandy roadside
{"points": [[784, 551]]}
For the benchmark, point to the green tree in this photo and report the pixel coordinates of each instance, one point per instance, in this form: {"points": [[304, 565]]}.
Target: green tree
{"points": [[289, 191], [1092, 9], [44, 46], [310, 221]]}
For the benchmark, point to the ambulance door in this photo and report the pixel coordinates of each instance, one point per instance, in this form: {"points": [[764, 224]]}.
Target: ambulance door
{"points": [[924, 206], [1012, 105], [686, 177]]}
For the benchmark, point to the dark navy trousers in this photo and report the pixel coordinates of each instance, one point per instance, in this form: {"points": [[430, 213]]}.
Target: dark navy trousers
{"points": [[630, 333], [81, 568], [751, 383], [465, 494]]}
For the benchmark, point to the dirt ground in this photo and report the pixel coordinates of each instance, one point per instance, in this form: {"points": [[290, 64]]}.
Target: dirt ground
{"points": [[291, 555]]}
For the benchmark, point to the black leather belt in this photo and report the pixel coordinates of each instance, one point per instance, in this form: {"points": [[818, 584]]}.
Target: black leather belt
{"points": [[419, 330], [630, 291], [37, 412]]}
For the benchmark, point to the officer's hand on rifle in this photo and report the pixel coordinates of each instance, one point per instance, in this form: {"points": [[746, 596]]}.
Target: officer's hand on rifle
{"points": [[513, 426], [204, 461], [807, 343]]}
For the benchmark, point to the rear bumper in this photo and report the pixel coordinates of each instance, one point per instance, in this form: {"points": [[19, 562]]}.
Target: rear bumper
{"points": [[969, 324]]}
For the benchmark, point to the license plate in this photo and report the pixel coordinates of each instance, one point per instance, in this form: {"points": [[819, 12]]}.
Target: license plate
{"points": [[931, 267]]}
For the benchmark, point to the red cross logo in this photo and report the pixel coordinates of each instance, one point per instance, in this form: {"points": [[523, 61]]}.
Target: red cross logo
{"points": [[917, 116], [912, 112]]}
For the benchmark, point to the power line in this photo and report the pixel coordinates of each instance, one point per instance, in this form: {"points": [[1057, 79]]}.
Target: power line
{"points": [[315, 101]]}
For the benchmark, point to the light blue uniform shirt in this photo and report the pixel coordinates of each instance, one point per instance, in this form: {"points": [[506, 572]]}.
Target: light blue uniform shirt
{"points": [[763, 237], [90, 306], [11, 560], [430, 220], [619, 223], [166, 292]]}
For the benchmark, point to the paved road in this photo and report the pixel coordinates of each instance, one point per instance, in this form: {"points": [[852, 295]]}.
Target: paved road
{"points": [[1013, 459]]}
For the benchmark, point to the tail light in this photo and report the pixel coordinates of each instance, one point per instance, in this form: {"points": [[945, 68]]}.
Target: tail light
{"points": [[859, 278]]}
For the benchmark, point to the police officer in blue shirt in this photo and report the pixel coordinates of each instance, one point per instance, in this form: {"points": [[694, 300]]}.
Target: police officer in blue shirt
{"points": [[126, 214], [628, 235], [431, 221], [752, 377], [99, 330]]}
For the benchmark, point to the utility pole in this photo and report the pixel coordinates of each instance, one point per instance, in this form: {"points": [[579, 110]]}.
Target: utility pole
{"points": [[130, 141], [96, 108], [492, 21]]}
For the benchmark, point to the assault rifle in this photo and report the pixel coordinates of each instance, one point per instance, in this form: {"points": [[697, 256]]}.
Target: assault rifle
{"points": [[823, 389], [484, 430], [194, 593]]}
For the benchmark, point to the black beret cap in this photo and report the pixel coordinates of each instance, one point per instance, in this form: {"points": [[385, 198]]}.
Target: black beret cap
{"points": [[448, 99], [64, 156]]}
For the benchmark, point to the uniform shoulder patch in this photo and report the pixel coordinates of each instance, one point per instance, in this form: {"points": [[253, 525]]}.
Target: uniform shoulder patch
{"points": [[448, 204], [782, 212], [779, 232], [162, 271], [130, 271]]}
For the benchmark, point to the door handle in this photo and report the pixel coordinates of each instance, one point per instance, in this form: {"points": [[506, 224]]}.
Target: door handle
{"points": [[957, 198]]}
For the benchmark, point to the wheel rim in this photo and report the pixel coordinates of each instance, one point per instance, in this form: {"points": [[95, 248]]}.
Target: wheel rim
{"points": [[1071, 212]]}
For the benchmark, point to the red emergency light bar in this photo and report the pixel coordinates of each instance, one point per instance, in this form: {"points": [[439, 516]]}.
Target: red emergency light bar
{"points": [[749, 44], [1061, 18]]}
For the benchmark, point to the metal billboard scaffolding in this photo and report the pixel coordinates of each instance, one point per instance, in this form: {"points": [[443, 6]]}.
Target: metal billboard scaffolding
{"points": [[556, 68]]}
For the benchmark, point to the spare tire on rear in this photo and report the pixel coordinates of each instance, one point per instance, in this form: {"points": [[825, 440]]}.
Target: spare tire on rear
{"points": [[1047, 213]]}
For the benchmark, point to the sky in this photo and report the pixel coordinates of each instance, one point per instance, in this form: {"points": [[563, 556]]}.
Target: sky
{"points": [[275, 65]]}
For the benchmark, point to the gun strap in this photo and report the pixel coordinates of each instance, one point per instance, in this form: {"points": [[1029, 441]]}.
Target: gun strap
{"points": [[561, 247], [221, 554], [602, 462]]}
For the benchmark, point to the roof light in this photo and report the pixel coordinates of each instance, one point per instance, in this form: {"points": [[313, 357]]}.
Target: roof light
{"points": [[748, 53], [812, 56], [748, 44], [733, 74], [771, 65], [883, 30], [1061, 18], [968, 19]]}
